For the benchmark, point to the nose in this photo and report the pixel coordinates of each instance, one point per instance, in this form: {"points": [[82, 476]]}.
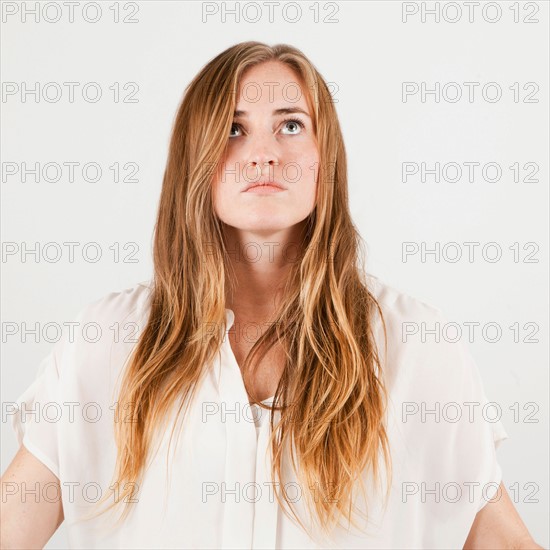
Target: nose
{"points": [[268, 163], [263, 156], [260, 171]]}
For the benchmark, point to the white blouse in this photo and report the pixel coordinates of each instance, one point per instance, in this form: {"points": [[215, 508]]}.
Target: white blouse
{"points": [[219, 493]]}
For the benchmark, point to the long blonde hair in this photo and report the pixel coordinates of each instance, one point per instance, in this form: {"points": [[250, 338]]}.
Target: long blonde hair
{"points": [[331, 393]]}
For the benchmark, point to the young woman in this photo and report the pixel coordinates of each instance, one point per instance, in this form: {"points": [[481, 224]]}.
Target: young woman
{"points": [[261, 342]]}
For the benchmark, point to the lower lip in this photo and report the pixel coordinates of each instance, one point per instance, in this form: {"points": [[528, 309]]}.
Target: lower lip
{"points": [[265, 189]]}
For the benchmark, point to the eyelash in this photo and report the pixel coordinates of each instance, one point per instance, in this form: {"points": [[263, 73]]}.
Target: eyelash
{"points": [[296, 120]]}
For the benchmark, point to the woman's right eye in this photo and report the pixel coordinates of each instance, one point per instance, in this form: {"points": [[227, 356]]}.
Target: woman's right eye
{"points": [[233, 127]]}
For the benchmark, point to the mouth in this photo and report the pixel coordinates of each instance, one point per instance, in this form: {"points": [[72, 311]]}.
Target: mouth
{"points": [[264, 187]]}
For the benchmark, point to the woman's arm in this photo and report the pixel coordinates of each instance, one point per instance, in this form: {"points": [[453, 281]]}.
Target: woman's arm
{"points": [[498, 525], [31, 510]]}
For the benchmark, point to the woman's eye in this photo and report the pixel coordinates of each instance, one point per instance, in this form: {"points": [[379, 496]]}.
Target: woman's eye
{"points": [[295, 125], [294, 122], [234, 126]]}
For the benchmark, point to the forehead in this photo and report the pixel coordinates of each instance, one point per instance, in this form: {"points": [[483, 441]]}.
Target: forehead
{"points": [[271, 83]]}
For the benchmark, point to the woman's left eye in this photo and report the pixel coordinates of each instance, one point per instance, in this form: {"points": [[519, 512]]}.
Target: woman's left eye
{"points": [[296, 122]]}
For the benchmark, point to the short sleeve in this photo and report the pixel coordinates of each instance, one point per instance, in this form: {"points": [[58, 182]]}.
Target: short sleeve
{"points": [[450, 427], [482, 431], [444, 427], [37, 411], [54, 415], [488, 442], [471, 427]]}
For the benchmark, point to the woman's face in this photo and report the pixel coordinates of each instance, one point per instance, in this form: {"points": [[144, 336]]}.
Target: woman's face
{"points": [[271, 140]]}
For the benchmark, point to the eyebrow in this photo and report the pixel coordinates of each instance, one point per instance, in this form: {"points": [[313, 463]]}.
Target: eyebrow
{"points": [[284, 111]]}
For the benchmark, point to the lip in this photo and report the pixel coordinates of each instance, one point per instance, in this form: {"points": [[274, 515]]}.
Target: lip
{"points": [[264, 187]]}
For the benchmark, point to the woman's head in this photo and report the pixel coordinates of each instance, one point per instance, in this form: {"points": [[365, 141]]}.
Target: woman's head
{"points": [[272, 139], [331, 392], [214, 154]]}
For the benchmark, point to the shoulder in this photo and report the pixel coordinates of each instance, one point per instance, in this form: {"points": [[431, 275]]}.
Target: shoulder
{"points": [[399, 306], [104, 331], [420, 348], [129, 303]]}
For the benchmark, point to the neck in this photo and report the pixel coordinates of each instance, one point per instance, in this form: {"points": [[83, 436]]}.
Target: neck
{"points": [[261, 263]]}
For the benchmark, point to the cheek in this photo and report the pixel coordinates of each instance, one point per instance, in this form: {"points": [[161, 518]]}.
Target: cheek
{"points": [[310, 166], [233, 172], [306, 187], [219, 192]]}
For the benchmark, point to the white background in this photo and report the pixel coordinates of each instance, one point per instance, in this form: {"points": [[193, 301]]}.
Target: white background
{"points": [[366, 53]]}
